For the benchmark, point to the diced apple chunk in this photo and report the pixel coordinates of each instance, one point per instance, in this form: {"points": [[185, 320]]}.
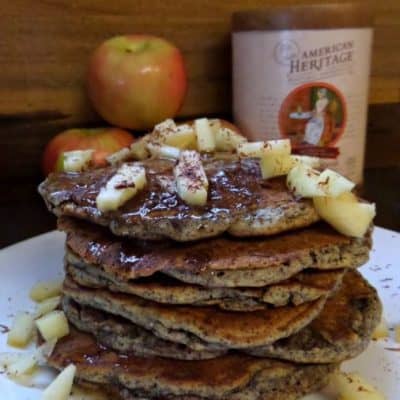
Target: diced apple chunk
{"points": [[381, 331], [226, 139], [270, 148], [251, 149], [345, 213], [46, 306], [351, 386], [24, 365], [313, 162], [163, 129], [205, 135], [43, 290], [305, 181], [164, 151], [22, 330], [273, 165], [278, 146], [126, 182], [280, 164], [77, 160], [9, 358], [183, 137], [53, 325], [138, 148], [334, 184], [191, 180], [119, 156], [61, 387]]}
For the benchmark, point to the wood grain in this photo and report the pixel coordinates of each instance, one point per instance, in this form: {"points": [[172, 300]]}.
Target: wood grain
{"points": [[45, 45], [44, 50]]}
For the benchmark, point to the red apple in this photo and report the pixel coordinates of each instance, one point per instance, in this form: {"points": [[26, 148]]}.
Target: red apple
{"points": [[136, 81], [103, 140]]}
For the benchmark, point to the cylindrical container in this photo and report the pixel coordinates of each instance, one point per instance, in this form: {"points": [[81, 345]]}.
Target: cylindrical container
{"points": [[302, 73]]}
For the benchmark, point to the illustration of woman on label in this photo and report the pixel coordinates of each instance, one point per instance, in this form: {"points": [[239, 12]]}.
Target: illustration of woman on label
{"points": [[313, 117], [318, 130]]}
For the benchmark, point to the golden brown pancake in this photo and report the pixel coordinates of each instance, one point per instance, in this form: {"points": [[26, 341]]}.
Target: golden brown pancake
{"points": [[233, 377], [217, 262], [199, 327], [238, 201], [122, 335], [301, 288], [342, 330]]}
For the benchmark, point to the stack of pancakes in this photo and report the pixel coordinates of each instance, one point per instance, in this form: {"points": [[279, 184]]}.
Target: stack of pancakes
{"points": [[249, 297]]}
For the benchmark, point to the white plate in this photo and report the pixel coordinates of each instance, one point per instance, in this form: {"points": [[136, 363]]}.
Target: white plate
{"points": [[40, 258]]}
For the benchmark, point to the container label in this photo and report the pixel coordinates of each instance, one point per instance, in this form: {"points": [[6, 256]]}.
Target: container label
{"points": [[310, 86]]}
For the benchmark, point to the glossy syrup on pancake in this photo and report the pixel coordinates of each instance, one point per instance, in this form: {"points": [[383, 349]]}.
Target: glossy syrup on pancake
{"points": [[233, 376], [213, 262], [235, 194]]}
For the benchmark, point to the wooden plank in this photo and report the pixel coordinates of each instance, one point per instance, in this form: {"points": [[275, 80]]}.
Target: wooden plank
{"points": [[44, 51]]}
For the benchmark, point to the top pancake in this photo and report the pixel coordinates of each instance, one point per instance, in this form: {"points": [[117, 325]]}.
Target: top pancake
{"points": [[218, 262], [239, 202]]}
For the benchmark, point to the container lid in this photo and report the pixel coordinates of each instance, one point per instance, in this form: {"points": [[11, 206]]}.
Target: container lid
{"points": [[315, 16]]}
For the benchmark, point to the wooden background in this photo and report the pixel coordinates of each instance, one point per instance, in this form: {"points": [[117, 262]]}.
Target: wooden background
{"points": [[44, 48], [45, 45]]}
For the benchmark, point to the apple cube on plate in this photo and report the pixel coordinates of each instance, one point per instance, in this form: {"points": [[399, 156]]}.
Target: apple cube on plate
{"points": [[22, 330], [122, 186], [24, 365], [53, 325], [163, 151], [43, 290], [191, 180], [205, 135], [345, 213], [8, 358], [46, 306], [61, 387], [77, 160], [352, 386]]}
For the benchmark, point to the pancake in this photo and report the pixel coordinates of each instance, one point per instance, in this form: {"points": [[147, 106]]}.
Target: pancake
{"points": [[301, 288], [239, 201], [341, 331], [234, 377], [199, 327], [123, 336], [217, 262]]}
